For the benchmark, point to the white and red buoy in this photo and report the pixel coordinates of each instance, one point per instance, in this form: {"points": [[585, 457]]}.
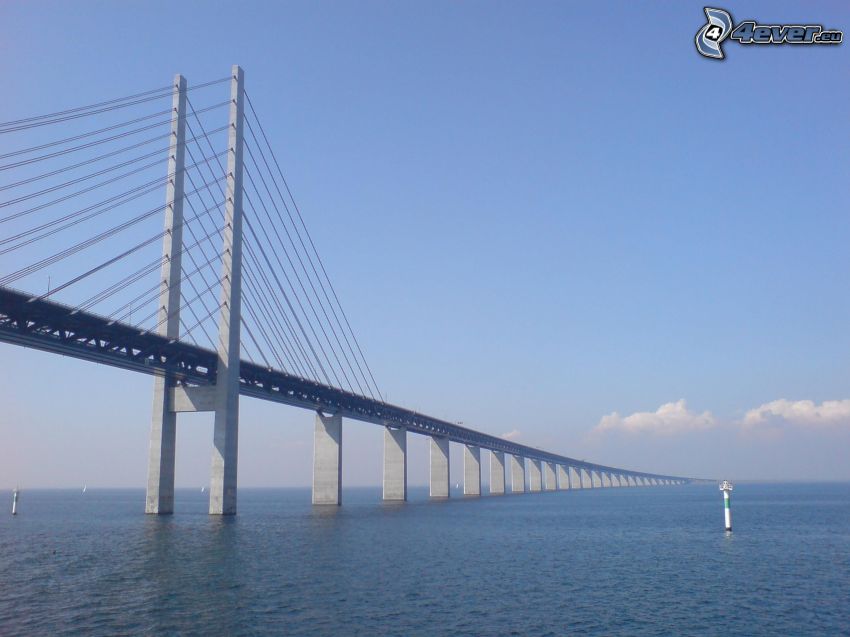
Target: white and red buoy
{"points": [[726, 487]]}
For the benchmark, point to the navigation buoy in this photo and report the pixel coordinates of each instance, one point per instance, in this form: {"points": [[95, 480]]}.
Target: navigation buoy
{"points": [[726, 487], [15, 502]]}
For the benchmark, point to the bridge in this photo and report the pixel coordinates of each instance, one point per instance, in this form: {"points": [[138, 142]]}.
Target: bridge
{"points": [[292, 344]]}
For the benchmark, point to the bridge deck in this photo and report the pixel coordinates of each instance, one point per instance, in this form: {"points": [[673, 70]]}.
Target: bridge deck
{"points": [[49, 326]]}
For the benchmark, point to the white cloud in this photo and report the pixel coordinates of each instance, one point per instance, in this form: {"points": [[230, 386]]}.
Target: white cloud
{"points": [[800, 412], [670, 418], [511, 435]]}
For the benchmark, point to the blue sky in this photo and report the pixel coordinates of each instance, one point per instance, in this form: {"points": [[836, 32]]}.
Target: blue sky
{"points": [[536, 215]]}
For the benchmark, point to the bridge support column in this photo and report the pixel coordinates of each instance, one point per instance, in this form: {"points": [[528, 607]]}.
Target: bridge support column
{"points": [[535, 476], [471, 470], [517, 474], [563, 477], [596, 479], [161, 453], [586, 479], [549, 476], [226, 425], [605, 479], [497, 473], [439, 468], [575, 478], [327, 460], [395, 464]]}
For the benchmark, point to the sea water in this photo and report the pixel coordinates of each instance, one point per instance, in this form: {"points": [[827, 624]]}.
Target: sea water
{"points": [[626, 561]]}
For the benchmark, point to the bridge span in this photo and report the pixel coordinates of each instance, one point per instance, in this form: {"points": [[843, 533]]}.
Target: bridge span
{"points": [[52, 327], [189, 377]]}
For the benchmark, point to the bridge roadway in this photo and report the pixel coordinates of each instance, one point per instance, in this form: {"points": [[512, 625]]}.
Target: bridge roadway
{"points": [[52, 327]]}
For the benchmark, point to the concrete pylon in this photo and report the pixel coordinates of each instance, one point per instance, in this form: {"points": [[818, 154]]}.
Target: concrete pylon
{"points": [[327, 459], [163, 435], [395, 464], [575, 478], [549, 479], [471, 470], [596, 479], [563, 477], [535, 476], [517, 474], [497, 473], [439, 474], [226, 424]]}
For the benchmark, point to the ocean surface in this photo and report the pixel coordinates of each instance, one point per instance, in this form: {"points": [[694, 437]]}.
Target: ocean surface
{"points": [[639, 561]]}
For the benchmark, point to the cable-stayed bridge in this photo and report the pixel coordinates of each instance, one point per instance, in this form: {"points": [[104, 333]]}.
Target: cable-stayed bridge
{"points": [[218, 292]]}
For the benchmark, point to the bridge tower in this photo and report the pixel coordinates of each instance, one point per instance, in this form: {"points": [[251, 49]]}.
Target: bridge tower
{"points": [[226, 427], [223, 397], [160, 488]]}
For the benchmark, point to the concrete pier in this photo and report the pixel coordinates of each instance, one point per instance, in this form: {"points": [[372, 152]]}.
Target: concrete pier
{"points": [[395, 464], [497, 473], [439, 475], [549, 479], [563, 477], [596, 479], [161, 452], [471, 470], [575, 478], [535, 476], [606, 479], [517, 474], [327, 460]]}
